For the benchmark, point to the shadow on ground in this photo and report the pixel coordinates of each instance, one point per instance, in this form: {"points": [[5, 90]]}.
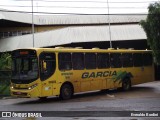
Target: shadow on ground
{"points": [[90, 96]]}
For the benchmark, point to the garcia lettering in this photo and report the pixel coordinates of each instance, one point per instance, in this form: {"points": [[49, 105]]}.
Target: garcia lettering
{"points": [[98, 74]]}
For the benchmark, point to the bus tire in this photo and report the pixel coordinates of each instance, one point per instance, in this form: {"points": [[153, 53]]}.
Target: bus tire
{"points": [[104, 90], [126, 84], [42, 98], [66, 92]]}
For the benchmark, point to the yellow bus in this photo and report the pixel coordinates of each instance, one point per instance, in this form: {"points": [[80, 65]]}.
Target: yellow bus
{"points": [[44, 72]]}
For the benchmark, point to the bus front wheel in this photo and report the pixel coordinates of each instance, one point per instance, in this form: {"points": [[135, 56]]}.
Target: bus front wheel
{"points": [[66, 91], [42, 98], [126, 84]]}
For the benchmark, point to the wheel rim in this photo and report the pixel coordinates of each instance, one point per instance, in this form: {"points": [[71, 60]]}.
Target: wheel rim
{"points": [[126, 84], [66, 92]]}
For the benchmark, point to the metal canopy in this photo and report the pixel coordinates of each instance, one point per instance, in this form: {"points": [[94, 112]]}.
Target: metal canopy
{"points": [[74, 35]]}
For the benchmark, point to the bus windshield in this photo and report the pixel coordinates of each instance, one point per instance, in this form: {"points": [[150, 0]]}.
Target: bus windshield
{"points": [[24, 69]]}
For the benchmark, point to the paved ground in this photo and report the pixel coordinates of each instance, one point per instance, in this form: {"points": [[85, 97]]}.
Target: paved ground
{"points": [[144, 97]]}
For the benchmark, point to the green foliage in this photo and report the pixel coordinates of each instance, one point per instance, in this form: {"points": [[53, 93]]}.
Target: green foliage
{"points": [[121, 75], [152, 28], [5, 61], [5, 73], [5, 90]]}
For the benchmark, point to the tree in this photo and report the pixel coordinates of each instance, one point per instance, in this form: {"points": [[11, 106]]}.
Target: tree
{"points": [[5, 73], [152, 28], [5, 61]]}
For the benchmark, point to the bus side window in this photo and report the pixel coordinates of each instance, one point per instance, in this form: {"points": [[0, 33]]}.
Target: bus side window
{"points": [[78, 61], [127, 60], [65, 61], [47, 65], [115, 60], [137, 60], [90, 60], [147, 59], [103, 60]]}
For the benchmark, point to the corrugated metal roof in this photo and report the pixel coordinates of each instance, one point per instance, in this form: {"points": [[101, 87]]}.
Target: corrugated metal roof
{"points": [[69, 19], [74, 34], [90, 19], [15, 16]]}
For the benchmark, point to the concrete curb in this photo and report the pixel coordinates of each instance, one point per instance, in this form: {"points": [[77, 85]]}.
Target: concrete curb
{"points": [[6, 97]]}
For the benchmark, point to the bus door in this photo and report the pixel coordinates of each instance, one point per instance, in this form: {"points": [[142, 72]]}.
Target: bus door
{"points": [[47, 69]]}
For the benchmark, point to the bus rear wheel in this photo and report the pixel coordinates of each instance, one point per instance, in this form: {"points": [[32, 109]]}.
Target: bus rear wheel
{"points": [[126, 84], [66, 92]]}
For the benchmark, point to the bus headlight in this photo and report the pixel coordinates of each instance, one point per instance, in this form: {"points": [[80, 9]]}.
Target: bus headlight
{"points": [[33, 86], [13, 86]]}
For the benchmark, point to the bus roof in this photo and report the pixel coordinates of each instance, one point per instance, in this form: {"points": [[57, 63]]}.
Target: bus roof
{"points": [[79, 49]]}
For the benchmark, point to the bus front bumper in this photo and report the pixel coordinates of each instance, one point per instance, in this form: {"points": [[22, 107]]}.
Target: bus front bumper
{"points": [[25, 93]]}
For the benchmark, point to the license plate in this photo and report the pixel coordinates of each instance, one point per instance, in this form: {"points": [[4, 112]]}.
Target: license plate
{"points": [[19, 93]]}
